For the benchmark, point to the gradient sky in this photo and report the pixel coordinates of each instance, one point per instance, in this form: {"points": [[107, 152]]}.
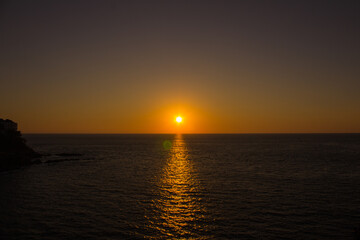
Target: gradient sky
{"points": [[224, 66]]}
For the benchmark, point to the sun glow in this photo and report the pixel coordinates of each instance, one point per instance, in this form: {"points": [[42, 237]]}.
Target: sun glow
{"points": [[179, 119]]}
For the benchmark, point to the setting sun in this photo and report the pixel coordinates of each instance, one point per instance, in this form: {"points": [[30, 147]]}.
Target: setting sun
{"points": [[179, 119]]}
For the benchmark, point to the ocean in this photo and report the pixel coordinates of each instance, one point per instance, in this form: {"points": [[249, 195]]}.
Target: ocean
{"points": [[200, 186]]}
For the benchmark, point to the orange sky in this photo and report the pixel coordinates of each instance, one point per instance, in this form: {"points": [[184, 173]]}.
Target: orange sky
{"points": [[124, 67]]}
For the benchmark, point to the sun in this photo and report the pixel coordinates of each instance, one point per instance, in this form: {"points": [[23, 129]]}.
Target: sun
{"points": [[179, 119]]}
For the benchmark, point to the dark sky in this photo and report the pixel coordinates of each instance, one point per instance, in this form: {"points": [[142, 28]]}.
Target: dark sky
{"points": [[226, 66]]}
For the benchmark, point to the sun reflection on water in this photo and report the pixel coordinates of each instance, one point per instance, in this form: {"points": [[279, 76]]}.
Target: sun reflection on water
{"points": [[178, 210]]}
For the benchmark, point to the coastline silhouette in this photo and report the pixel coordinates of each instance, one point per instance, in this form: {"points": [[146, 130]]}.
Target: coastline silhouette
{"points": [[14, 152]]}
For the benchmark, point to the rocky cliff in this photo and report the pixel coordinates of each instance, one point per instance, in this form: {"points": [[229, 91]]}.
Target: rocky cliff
{"points": [[14, 152]]}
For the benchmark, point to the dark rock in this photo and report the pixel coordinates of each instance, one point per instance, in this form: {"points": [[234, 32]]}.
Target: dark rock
{"points": [[62, 160], [36, 161], [68, 154], [14, 152]]}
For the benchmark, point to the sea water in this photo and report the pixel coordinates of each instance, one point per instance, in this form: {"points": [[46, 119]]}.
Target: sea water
{"points": [[245, 186]]}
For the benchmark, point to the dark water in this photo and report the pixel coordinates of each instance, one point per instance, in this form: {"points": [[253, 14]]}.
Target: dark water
{"points": [[190, 187]]}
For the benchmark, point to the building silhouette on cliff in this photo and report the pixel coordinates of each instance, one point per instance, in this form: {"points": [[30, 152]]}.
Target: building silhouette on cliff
{"points": [[7, 126]]}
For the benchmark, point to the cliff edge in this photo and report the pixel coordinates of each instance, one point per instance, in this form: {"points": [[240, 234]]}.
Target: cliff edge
{"points": [[14, 152]]}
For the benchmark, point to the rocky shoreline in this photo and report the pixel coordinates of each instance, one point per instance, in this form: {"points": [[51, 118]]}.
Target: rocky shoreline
{"points": [[14, 152]]}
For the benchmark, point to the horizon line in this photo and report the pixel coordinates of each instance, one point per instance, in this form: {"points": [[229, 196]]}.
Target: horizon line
{"points": [[194, 133]]}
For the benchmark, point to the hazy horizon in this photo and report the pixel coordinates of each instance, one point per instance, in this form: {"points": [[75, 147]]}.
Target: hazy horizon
{"points": [[182, 133]]}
